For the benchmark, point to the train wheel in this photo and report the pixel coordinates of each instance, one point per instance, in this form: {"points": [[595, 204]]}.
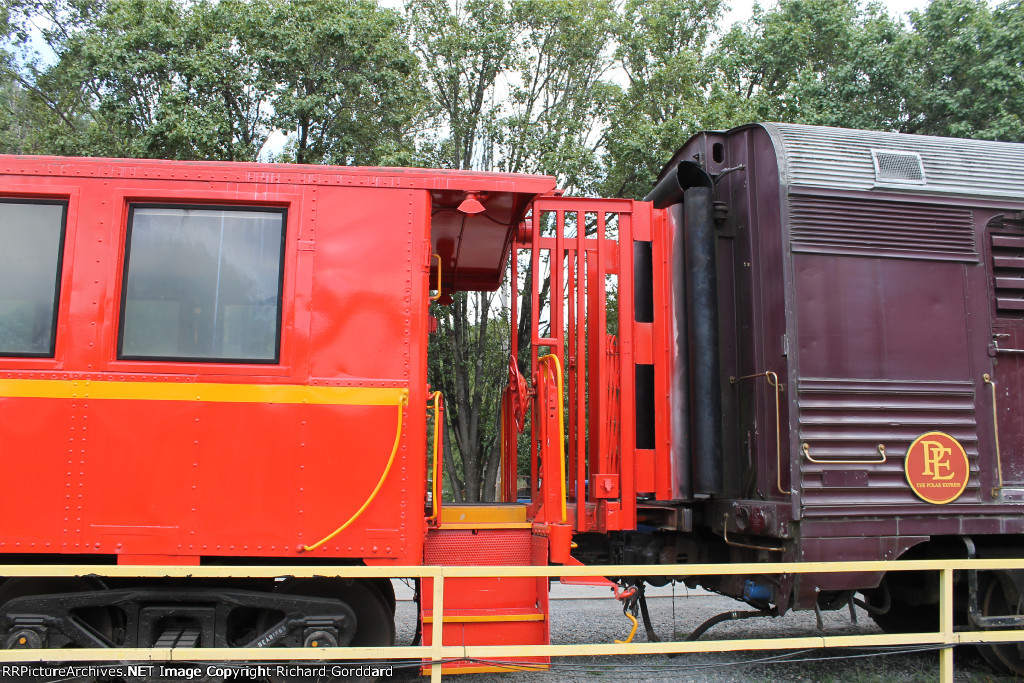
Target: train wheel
{"points": [[386, 590], [103, 622], [375, 620], [107, 623], [1000, 596]]}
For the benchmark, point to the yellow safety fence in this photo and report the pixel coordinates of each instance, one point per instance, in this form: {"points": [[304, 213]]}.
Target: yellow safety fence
{"points": [[434, 655]]}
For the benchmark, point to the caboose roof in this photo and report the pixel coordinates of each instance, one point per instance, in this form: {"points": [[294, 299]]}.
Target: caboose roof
{"points": [[474, 248], [845, 159]]}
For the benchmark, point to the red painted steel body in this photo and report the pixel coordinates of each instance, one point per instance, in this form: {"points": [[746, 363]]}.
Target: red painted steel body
{"points": [[97, 460]]}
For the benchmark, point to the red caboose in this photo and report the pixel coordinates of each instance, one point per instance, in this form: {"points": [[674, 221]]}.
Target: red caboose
{"points": [[222, 363]]}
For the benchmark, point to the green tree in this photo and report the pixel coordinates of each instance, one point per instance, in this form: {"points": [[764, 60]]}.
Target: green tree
{"points": [[468, 359], [955, 70], [343, 77], [823, 62], [968, 76], [212, 79], [149, 79], [559, 96], [31, 105], [463, 48], [663, 47], [524, 82]]}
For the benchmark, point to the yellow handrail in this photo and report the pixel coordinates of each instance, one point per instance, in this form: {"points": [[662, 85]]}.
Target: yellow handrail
{"points": [[561, 428], [773, 381], [435, 495], [402, 402], [805, 448], [995, 427], [438, 295]]}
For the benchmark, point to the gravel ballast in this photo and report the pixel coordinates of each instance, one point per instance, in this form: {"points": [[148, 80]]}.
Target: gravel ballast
{"points": [[585, 615]]}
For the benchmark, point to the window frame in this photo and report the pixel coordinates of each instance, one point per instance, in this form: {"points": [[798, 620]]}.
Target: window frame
{"points": [[59, 277], [119, 356]]}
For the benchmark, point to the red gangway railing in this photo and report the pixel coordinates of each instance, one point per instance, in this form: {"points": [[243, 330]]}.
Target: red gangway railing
{"points": [[573, 268]]}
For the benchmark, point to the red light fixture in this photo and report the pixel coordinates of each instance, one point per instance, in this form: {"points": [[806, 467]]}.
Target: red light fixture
{"points": [[471, 204]]}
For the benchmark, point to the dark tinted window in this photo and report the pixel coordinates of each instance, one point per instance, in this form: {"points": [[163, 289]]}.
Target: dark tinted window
{"points": [[202, 283], [31, 239]]}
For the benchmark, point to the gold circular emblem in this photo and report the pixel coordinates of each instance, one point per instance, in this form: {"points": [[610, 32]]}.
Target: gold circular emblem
{"points": [[936, 467]]}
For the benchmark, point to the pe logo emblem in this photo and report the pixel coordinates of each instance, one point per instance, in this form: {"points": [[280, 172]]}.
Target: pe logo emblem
{"points": [[937, 468]]}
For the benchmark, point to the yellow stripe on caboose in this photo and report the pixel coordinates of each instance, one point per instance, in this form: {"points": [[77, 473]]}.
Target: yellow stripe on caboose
{"points": [[199, 391]]}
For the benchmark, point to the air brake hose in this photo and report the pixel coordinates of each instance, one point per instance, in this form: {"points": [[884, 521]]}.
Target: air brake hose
{"points": [[628, 597], [402, 402], [629, 638]]}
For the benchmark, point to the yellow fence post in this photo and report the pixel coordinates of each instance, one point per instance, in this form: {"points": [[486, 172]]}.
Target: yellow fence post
{"points": [[437, 629], [946, 624]]}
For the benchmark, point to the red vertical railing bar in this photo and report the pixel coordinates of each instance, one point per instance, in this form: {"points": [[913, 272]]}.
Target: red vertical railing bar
{"points": [[558, 288], [627, 374], [513, 305], [661, 340], [535, 408], [600, 406], [535, 286], [535, 440], [509, 432], [582, 370], [572, 361], [596, 270], [595, 374], [535, 411]]}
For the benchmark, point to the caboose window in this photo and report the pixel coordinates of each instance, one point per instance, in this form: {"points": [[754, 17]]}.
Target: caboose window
{"points": [[31, 245], [202, 284]]}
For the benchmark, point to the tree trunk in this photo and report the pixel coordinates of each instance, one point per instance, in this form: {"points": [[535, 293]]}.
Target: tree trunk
{"points": [[457, 485]]}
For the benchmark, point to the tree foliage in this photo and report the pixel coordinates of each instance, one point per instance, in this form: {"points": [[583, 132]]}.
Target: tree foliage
{"points": [[663, 49], [340, 75], [468, 359], [463, 47], [558, 94], [967, 72], [212, 79]]}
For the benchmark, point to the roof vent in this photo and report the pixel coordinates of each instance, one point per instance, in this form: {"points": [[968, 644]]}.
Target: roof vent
{"points": [[898, 167]]}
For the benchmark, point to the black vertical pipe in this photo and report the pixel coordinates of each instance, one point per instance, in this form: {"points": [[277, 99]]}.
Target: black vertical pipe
{"points": [[696, 319], [705, 366]]}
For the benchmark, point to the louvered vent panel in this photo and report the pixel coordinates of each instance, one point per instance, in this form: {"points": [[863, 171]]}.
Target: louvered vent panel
{"points": [[832, 225], [842, 421], [1008, 271]]}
